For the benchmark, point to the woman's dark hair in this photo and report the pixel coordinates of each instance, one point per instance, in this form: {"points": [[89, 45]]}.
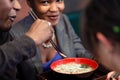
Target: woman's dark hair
{"points": [[101, 16]]}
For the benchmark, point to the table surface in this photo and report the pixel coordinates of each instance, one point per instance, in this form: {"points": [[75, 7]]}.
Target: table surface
{"points": [[97, 75]]}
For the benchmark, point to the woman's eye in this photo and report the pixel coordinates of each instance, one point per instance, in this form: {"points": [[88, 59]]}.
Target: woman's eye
{"points": [[44, 2], [59, 1]]}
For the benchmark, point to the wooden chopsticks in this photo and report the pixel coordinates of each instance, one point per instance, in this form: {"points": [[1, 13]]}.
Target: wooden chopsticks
{"points": [[32, 13]]}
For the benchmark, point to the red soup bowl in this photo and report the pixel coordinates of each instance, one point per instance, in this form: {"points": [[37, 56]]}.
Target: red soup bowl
{"points": [[81, 67]]}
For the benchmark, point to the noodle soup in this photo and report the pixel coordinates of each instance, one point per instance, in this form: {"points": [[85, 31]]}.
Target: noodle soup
{"points": [[80, 67], [73, 68]]}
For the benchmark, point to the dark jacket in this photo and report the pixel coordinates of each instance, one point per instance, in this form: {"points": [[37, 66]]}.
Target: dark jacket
{"points": [[13, 52]]}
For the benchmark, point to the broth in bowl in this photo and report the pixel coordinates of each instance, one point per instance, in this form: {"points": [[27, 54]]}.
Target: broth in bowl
{"points": [[82, 67], [73, 68]]}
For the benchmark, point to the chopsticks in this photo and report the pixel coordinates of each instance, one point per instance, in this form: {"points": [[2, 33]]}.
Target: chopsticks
{"points": [[32, 13], [34, 16], [57, 49], [115, 76]]}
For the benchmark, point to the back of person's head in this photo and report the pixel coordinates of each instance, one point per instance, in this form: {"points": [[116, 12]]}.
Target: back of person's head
{"points": [[102, 16]]}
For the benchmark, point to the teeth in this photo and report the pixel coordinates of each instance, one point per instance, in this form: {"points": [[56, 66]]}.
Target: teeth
{"points": [[12, 18], [53, 17]]}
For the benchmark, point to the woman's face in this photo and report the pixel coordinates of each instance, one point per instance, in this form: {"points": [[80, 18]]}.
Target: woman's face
{"points": [[49, 10], [8, 13]]}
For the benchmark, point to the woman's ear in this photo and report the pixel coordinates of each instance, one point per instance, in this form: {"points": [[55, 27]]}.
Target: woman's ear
{"points": [[107, 44]]}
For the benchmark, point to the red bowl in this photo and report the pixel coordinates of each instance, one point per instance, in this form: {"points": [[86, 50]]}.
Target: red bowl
{"points": [[85, 61]]}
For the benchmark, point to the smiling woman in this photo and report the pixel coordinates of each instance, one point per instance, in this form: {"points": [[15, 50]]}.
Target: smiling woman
{"points": [[65, 38]]}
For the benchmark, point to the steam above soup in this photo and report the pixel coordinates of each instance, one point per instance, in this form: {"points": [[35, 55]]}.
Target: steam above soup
{"points": [[73, 68]]}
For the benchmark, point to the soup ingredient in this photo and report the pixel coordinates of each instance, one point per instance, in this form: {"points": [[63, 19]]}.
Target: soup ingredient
{"points": [[73, 68]]}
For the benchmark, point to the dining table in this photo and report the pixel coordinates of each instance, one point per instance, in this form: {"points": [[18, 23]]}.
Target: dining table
{"points": [[51, 75]]}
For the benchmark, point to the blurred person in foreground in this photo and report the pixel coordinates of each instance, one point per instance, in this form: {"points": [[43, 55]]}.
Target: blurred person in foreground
{"points": [[64, 37], [13, 51], [101, 32]]}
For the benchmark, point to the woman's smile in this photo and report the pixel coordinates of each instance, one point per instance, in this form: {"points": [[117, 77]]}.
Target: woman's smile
{"points": [[53, 17]]}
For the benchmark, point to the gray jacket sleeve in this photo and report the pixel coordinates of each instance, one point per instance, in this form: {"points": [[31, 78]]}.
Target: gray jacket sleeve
{"points": [[79, 49], [13, 52]]}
